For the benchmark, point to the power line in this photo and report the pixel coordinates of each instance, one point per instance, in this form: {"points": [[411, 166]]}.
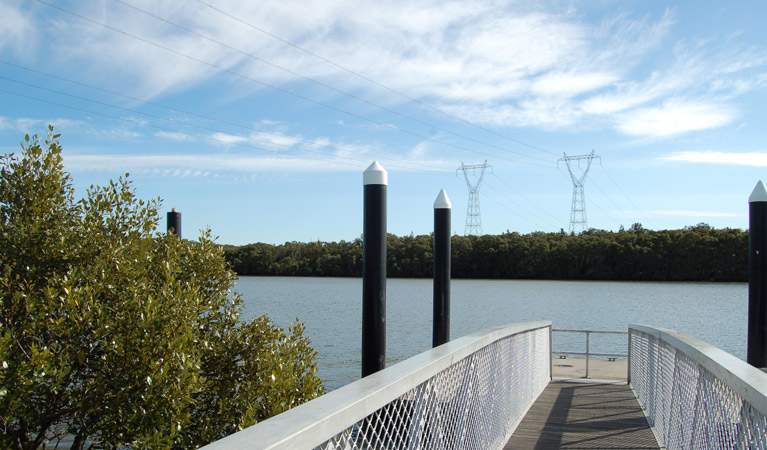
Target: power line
{"points": [[520, 207], [130, 97], [609, 216], [187, 124], [393, 164], [184, 133], [335, 159], [596, 185], [320, 83], [281, 90], [516, 192], [423, 168], [647, 221], [370, 80]]}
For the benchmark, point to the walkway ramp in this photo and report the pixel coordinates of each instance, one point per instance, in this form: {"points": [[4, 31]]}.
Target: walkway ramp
{"points": [[493, 390], [577, 414]]}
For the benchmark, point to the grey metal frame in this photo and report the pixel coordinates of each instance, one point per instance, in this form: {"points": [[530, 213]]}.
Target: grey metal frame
{"points": [[337, 419], [694, 394], [588, 354]]}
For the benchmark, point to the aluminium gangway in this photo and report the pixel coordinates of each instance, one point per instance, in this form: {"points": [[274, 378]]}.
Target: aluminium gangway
{"points": [[475, 391]]}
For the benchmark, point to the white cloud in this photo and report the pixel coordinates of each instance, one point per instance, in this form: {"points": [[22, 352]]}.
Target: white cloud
{"points": [[571, 83], [627, 39], [501, 63], [736, 86], [280, 141], [32, 126], [187, 165], [455, 48], [754, 159], [674, 117], [419, 150], [277, 141], [542, 112], [226, 138], [175, 136], [695, 91], [16, 35], [629, 95]]}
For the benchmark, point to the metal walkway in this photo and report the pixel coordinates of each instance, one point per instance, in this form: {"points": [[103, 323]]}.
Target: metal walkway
{"points": [[468, 392], [584, 415]]}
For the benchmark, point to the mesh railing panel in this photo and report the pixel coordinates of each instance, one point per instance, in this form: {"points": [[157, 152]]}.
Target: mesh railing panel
{"points": [[474, 404], [688, 406]]}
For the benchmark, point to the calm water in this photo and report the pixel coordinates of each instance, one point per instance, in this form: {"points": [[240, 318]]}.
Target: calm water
{"points": [[331, 308]]}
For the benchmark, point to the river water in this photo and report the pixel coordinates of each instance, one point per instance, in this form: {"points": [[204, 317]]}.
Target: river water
{"points": [[331, 309]]}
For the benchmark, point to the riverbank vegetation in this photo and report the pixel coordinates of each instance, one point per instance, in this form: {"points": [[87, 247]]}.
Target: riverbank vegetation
{"points": [[695, 253], [114, 336]]}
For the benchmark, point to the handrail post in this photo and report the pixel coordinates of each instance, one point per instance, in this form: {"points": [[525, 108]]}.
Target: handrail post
{"points": [[551, 352], [442, 259], [374, 180], [588, 333], [628, 359]]}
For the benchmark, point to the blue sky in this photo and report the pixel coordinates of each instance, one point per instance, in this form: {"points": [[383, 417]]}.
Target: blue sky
{"points": [[257, 119]]}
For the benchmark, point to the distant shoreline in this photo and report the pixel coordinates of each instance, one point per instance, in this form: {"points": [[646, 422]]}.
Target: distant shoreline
{"points": [[692, 254]]}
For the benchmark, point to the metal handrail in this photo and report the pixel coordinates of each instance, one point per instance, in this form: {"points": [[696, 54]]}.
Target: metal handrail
{"points": [[588, 352], [333, 418], [694, 394], [744, 379]]}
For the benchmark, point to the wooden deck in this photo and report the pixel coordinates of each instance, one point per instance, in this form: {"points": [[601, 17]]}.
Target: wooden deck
{"points": [[584, 415]]}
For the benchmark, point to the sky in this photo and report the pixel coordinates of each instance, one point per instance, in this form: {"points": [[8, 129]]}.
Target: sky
{"points": [[257, 119]]}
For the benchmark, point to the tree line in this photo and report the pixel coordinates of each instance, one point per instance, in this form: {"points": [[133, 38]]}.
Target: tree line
{"points": [[695, 253]]}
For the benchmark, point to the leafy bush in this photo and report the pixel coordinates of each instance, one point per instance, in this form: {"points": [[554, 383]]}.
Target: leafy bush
{"points": [[112, 335]]}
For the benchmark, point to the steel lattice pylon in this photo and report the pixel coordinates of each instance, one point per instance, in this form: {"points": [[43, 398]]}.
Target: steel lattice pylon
{"points": [[473, 217], [578, 210]]}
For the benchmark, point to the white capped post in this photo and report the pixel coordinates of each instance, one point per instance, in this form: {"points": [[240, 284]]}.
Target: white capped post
{"points": [[374, 181], [375, 174], [442, 259], [756, 353]]}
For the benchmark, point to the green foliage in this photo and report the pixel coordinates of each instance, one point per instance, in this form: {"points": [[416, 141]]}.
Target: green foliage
{"points": [[113, 336], [698, 253], [322, 259]]}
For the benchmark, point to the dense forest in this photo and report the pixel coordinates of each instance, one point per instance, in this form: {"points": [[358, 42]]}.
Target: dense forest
{"points": [[698, 253]]}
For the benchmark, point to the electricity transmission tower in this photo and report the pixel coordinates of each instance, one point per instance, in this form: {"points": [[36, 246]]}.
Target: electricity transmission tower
{"points": [[578, 210], [473, 217]]}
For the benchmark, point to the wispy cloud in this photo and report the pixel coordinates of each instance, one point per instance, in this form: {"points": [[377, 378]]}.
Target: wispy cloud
{"points": [[227, 138], [15, 26], [502, 64], [214, 165], [29, 125], [277, 141], [571, 83], [259, 151], [189, 165], [755, 159], [175, 136], [674, 117]]}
